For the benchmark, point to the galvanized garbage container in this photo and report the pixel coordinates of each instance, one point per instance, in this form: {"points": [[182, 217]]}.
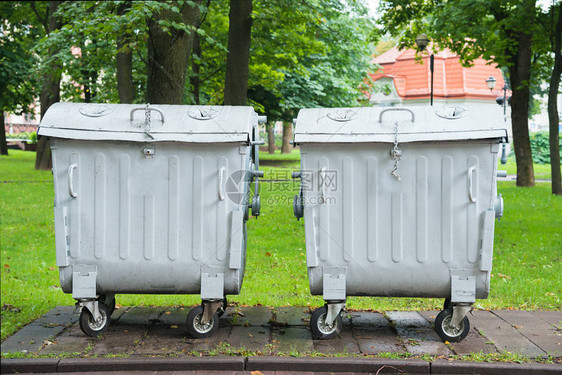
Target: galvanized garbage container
{"points": [[399, 202], [152, 199]]}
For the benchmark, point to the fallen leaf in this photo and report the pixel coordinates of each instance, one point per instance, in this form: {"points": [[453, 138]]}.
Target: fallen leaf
{"points": [[173, 326]]}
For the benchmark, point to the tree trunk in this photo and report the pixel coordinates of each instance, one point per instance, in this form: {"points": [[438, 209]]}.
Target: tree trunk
{"points": [[3, 143], [287, 136], [238, 59], [270, 138], [168, 54], [50, 93], [553, 118], [195, 67], [124, 60], [520, 74]]}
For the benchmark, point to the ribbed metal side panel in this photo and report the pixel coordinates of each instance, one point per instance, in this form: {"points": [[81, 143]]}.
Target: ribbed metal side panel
{"points": [[197, 214], [124, 206], [348, 209], [397, 218], [149, 226], [447, 224], [472, 222], [324, 214], [372, 212], [100, 194], [76, 208], [421, 209], [173, 207], [222, 209]]}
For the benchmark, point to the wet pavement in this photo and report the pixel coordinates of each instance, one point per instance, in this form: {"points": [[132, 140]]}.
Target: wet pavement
{"points": [[258, 333]]}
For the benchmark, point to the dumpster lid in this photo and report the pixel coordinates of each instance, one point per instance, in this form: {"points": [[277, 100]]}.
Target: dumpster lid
{"points": [[133, 122], [415, 124]]}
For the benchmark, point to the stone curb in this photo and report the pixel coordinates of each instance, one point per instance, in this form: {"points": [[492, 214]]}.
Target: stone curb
{"points": [[123, 364], [28, 365], [380, 366], [493, 368], [288, 364]]}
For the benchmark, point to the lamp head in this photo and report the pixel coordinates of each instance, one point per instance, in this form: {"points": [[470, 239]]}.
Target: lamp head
{"points": [[422, 41], [491, 82]]}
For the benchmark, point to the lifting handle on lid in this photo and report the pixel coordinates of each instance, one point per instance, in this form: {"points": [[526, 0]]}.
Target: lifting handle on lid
{"points": [[147, 109], [396, 109]]}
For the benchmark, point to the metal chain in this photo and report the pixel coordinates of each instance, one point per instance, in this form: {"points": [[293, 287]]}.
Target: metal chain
{"points": [[396, 153], [147, 117]]}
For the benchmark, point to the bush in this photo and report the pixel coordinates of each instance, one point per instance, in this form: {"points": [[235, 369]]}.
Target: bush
{"points": [[30, 136], [540, 147]]}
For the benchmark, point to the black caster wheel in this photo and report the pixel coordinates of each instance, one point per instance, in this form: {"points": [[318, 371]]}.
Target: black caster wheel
{"points": [[109, 302], [447, 304], [320, 329], [92, 327], [112, 306], [222, 310], [446, 331], [198, 330]]}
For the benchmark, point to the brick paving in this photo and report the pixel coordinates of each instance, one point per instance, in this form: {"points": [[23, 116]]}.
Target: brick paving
{"points": [[144, 331], [270, 340]]}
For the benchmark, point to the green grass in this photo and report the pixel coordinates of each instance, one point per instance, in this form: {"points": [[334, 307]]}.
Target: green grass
{"points": [[542, 171], [527, 262], [294, 155]]}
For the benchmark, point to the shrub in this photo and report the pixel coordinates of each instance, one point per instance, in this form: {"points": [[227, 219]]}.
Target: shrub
{"points": [[540, 147]]}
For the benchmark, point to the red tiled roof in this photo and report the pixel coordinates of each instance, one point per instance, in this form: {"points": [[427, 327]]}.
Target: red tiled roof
{"points": [[450, 79]]}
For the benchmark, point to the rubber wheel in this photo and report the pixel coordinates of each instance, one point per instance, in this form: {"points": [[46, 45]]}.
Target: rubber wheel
{"points": [[112, 306], [447, 304], [444, 329], [89, 326], [320, 330], [222, 310], [109, 302], [198, 330]]}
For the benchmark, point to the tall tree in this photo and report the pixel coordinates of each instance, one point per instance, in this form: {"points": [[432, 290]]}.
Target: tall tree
{"points": [[50, 90], [237, 62], [19, 31], [124, 59], [170, 37], [498, 30], [553, 116]]}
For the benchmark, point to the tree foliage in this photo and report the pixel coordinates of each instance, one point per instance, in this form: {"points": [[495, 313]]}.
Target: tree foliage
{"points": [[302, 54], [18, 81], [507, 32]]}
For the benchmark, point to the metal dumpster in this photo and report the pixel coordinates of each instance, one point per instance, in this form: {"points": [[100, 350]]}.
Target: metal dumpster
{"points": [[399, 202], [152, 199]]}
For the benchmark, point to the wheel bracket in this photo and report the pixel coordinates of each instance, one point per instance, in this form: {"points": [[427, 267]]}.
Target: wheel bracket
{"points": [[93, 307], [459, 312], [333, 310], [209, 310]]}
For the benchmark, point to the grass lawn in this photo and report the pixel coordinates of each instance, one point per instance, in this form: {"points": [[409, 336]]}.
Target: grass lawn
{"points": [[527, 261], [542, 171]]}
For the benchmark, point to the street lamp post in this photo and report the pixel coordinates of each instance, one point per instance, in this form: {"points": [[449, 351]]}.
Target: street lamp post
{"points": [[491, 82], [422, 41]]}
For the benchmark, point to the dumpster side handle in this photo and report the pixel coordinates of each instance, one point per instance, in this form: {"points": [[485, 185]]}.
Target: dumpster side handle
{"points": [[71, 169]]}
